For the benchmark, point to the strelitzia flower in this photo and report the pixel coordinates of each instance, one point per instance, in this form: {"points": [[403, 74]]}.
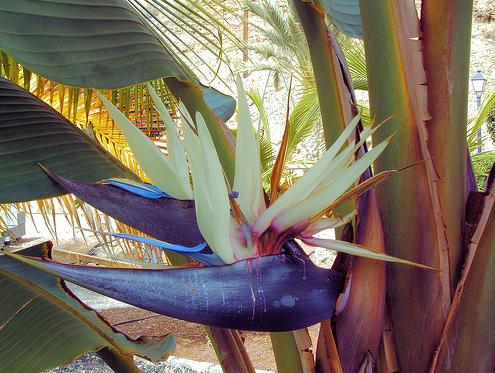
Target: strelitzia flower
{"points": [[252, 273], [244, 226]]}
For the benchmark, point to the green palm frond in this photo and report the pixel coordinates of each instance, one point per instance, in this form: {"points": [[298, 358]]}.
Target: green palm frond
{"points": [[303, 118], [354, 53], [286, 44], [193, 33], [476, 122], [285, 54], [284, 36], [263, 126]]}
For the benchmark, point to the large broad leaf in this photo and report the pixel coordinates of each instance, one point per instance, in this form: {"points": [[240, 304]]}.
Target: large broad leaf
{"points": [[88, 44], [345, 14], [221, 104], [83, 43], [42, 326], [31, 132]]}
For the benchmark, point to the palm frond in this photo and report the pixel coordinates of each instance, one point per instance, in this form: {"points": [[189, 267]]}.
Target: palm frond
{"points": [[182, 26], [475, 123], [304, 116], [354, 53]]}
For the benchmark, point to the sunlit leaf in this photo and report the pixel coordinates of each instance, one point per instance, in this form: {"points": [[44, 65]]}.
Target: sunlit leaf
{"points": [[31, 132], [84, 43], [345, 14]]}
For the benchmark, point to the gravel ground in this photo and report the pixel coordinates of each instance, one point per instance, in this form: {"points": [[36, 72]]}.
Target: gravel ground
{"points": [[91, 363], [95, 300]]}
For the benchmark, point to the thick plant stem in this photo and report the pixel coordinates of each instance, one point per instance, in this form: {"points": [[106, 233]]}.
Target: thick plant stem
{"points": [[446, 28], [335, 93], [358, 325], [286, 352], [221, 135], [396, 81], [230, 353], [327, 356], [118, 362], [242, 350], [468, 341], [333, 114]]}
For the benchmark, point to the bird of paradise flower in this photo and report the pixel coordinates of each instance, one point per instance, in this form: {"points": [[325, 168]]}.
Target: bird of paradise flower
{"points": [[252, 273]]}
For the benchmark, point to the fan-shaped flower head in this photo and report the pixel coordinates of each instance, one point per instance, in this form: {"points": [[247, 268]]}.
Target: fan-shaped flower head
{"points": [[239, 222]]}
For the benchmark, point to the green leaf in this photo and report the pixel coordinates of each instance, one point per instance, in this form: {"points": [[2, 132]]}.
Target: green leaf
{"points": [[42, 326], [345, 15], [482, 116], [92, 44], [31, 132], [83, 43], [221, 104], [303, 119], [353, 50]]}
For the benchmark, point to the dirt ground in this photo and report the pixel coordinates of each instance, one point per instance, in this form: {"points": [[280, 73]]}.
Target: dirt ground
{"points": [[192, 341]]}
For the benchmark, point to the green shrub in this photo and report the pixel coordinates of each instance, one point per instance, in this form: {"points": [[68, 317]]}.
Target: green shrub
{"points": [[482, 164]]}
